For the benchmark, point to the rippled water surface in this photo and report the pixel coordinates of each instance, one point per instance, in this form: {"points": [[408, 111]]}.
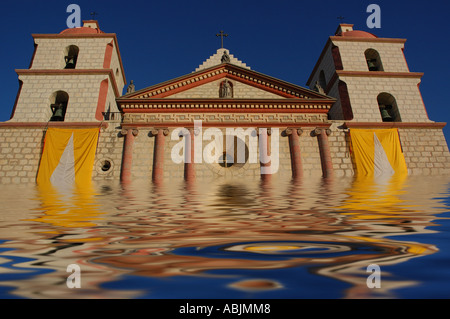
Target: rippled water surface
{"points": [[228, 239]]}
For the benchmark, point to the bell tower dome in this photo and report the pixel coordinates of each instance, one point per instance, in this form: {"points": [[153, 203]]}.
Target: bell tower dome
{"points": [[74, 76]]}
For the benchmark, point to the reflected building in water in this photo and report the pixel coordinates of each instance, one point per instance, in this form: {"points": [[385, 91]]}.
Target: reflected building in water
{"points": [[232, 237]]}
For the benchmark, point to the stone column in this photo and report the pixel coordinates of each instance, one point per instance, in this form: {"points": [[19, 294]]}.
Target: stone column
{"points": [[296, 157], [158, 154], [264, 149], [324, 148], [189, 170], [127, 156]]}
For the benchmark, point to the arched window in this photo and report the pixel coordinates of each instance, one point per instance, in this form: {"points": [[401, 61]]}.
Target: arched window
{"points": [[322, 80], [346, 106], [71, 57], [59, 101], [373, 60], [388, 108]]}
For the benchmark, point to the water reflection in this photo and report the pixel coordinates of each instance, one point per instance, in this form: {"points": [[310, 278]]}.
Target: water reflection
{"points": [[219, 239]]}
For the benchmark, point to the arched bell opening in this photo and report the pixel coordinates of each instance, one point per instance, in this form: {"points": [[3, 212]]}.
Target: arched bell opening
{"points": [[373, 60], [71, 57], [388, 108], [58, 106]]}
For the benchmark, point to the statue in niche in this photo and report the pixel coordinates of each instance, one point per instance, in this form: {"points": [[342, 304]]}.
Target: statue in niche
{"points": [[319, 88], [225, 57], [131, 87], [226, 90]]}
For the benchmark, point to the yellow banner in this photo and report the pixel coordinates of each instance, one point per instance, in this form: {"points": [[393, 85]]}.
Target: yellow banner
{"points": [[68, 157], [377, 152]]}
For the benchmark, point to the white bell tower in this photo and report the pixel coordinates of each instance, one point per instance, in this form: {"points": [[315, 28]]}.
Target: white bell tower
{"points": [[74, 76]]}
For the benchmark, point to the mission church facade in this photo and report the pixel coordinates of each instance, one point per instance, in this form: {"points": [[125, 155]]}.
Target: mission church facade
{"points": [[360, 82]]}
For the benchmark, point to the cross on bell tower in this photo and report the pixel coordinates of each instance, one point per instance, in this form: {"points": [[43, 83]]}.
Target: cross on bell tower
{"points": [[221, 35]]}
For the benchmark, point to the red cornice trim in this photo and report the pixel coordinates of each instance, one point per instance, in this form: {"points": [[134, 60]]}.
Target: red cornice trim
{"points": [[72, 35], [292, 101], [424, 125], [225, 105], [54, 124], [380, 74], [219, 125], [108, 72], [354, 39], [62, 71], [224, 110]]}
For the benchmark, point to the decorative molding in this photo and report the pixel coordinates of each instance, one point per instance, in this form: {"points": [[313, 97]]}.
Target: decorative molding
{"points": [[154, 125], [319, 130], [237, 119], [380, 74], [355, 39], [291, 130], [230, 71], [133, 131], [217, 105]]}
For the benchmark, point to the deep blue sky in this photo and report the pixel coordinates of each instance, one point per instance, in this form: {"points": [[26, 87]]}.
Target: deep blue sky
{"points": [[161, 40]]}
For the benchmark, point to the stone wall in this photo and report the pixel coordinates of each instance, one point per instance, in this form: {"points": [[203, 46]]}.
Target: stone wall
{"points": [[50, 53], [353, 58], [20, 153], [211, 90], [425, 150], [34, 100], [110, 149], [363, 92]]}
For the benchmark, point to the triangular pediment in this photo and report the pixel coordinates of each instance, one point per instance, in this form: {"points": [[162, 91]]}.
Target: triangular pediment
{"points": [[206, 83]]}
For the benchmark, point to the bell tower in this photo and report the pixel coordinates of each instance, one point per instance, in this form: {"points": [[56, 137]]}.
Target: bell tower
{"points": [[74, 76], [369, 77]]}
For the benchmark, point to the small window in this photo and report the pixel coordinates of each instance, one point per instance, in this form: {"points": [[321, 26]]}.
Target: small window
{"points": [[373, 60], [71, 57], [388, 108], [59, 99]]}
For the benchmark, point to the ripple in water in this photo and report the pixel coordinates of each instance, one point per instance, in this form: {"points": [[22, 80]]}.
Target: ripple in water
{"points": [[227, 239]]}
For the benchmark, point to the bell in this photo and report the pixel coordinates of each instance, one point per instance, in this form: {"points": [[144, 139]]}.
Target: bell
{"points": [[58, 112], [385, 116], [70, 62], [372, 64]]}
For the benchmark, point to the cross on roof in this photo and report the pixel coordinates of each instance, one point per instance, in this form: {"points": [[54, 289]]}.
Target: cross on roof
{"points": [[341, 18], [93, 14], [221, 35]]}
